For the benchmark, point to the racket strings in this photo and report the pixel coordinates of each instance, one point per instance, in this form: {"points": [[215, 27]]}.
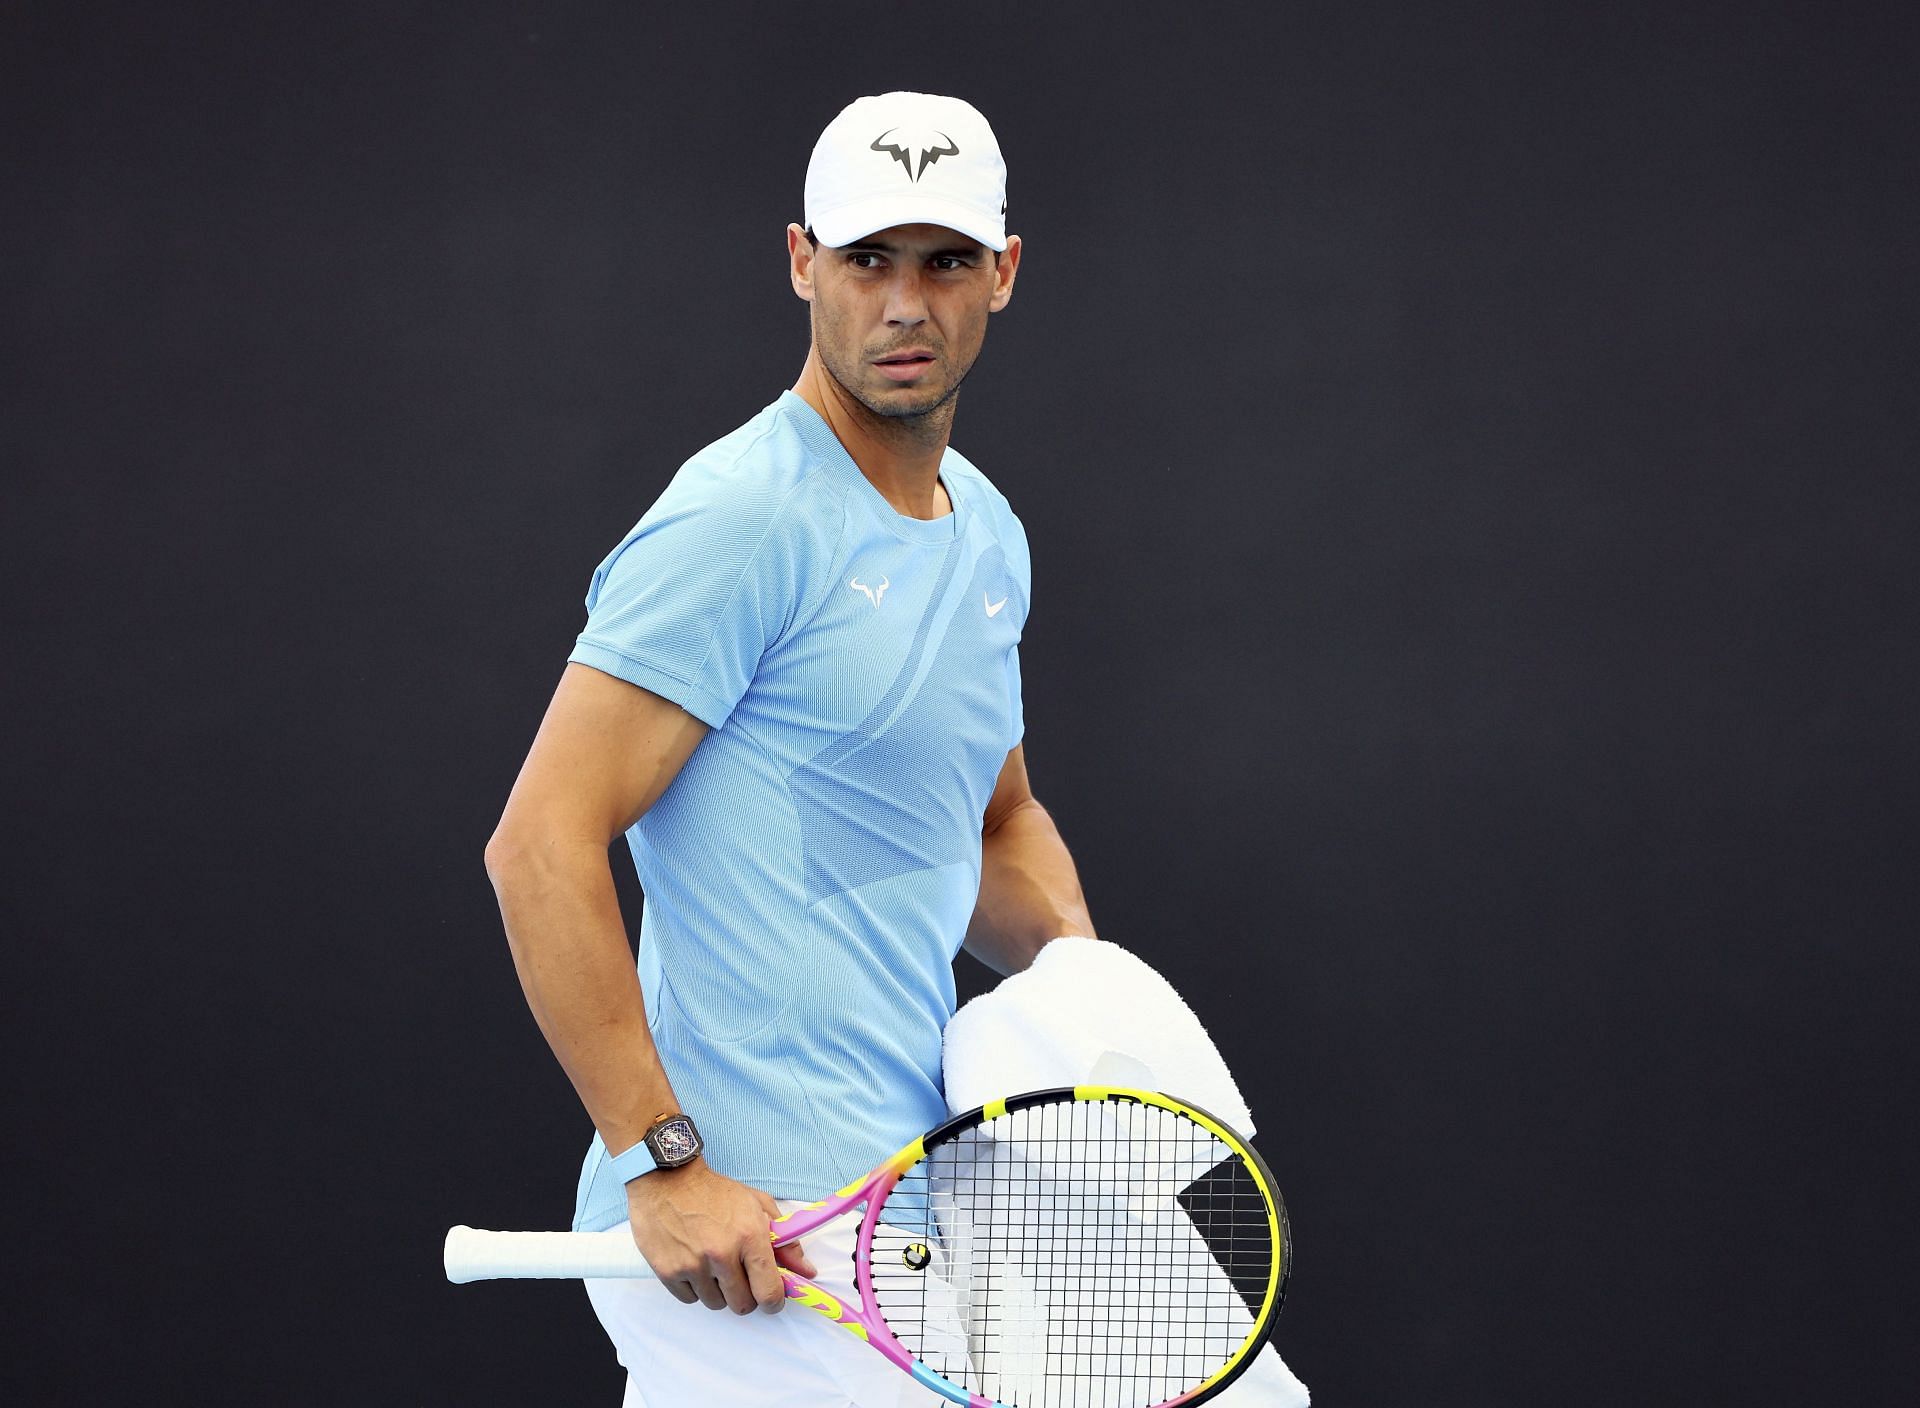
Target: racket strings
{"points": [[1077, 1254]]}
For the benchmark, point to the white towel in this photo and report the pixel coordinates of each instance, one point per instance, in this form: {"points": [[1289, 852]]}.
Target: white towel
{"points": [[1087, 1012]]}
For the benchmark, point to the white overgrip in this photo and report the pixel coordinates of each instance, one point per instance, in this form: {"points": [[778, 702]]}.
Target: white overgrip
{"points": [[476, 1255]]}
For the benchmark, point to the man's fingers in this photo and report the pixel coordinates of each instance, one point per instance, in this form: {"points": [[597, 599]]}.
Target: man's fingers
{"points": [[712, 1293], [705, 1246], [736, 1286], [764, 1280], [676, 1281], [794, 1257]]}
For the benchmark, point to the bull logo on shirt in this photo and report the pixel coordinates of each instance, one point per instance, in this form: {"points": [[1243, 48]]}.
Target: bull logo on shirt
{"points": [[873, 593]]}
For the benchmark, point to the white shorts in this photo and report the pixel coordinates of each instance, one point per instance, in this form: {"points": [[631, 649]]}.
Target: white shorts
{"points": [[686, 1356]]}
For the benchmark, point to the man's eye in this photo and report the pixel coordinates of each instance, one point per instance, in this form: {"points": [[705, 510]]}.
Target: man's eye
{"points": [[946, 263], [864, 261]]}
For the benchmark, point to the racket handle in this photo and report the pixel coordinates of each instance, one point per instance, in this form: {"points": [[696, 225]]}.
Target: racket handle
{"points": [[475, 1255]]}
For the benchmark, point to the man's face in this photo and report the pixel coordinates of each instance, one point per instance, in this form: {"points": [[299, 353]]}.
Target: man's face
{"points": [[899, 317]]}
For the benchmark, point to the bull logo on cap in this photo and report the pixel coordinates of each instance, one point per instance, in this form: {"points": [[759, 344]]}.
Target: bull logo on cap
{"points": [[922, 143]]}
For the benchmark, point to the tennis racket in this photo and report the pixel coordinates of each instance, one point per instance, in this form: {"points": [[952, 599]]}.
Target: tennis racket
{"points": [[1085, 1247]]}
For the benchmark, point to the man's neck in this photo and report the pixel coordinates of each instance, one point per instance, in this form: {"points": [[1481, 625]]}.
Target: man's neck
{"points": [[899, 455]]}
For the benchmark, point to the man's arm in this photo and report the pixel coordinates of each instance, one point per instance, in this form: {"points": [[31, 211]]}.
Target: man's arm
{"points": [[1029, 890], [605, 752]]}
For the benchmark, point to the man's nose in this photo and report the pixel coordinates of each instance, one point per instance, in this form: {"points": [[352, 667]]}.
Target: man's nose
{"points": [[906, 304]]}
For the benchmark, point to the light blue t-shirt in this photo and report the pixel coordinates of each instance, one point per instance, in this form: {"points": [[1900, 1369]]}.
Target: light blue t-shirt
{"points": [[810, 873]]}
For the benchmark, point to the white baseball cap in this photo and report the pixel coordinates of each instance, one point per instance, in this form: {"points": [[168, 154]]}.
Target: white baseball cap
{"points": [[907, 159]]}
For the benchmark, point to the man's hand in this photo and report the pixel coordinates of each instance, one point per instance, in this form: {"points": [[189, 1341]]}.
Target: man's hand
{"points": [[705, 1236]]}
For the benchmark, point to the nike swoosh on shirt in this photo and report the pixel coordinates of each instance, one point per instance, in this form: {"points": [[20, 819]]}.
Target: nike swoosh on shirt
{"points": [[993, 607]]}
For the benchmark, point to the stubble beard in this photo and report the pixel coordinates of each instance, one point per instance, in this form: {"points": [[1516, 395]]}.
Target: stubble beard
{"points": [[921, 424]]}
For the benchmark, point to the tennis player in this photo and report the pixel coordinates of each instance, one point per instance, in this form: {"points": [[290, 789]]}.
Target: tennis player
{"points": [[798, 694]]}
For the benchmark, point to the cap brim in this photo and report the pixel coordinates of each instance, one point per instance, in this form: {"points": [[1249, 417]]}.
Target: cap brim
{"points": [[860, 218]]}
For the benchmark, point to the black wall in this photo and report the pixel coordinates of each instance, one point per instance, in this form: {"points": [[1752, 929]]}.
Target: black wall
{"points": [[1465, 450]]}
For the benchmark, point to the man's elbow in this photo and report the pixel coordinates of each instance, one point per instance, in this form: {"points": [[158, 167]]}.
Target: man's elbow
{"points": [[520, 864], [511, 851], [496, 857], [532, 857]]}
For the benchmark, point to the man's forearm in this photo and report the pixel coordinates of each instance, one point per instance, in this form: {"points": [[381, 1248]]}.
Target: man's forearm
{"points": [[569, 946], [1029, 891]]}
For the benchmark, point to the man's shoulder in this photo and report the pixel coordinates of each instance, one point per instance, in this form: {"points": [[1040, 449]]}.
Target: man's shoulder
{"points": [[756, 507], [956, 467], [755, 469], [962, 473], [757, 493]]}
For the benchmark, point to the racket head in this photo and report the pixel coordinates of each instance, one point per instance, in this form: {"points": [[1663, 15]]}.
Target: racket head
{"points": [[1078, 1245]]}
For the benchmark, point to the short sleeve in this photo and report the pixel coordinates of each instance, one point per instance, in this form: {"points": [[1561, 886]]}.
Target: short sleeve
{"points": [[687, 604]]}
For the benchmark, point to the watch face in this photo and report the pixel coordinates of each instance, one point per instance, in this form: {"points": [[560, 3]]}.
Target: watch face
{"points": [[675, 1142]]}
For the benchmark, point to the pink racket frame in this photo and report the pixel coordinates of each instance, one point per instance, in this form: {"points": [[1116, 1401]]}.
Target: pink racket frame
{"points": [[866, 1323]]}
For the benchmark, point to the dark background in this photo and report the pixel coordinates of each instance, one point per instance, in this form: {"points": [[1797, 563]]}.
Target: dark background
{"points": [[1465, 450]]}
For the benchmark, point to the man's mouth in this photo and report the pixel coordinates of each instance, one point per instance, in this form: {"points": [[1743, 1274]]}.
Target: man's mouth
{"points": [[904, 366]]}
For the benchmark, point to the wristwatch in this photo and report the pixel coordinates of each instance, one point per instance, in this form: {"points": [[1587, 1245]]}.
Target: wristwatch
{"points": [[668, 1143]]}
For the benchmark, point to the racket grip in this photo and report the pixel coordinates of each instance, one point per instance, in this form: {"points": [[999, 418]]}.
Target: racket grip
{"points": [[476, 1255]]}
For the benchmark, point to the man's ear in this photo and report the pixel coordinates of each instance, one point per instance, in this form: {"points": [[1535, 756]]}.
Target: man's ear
{"points": [[800, 262], [1005, 266]]}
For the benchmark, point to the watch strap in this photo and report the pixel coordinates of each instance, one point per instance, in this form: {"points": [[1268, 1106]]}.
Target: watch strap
{"points": [[633, 1162]]}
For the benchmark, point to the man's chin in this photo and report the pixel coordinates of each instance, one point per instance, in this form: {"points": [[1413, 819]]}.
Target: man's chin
{"points": [[905, 400]]}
